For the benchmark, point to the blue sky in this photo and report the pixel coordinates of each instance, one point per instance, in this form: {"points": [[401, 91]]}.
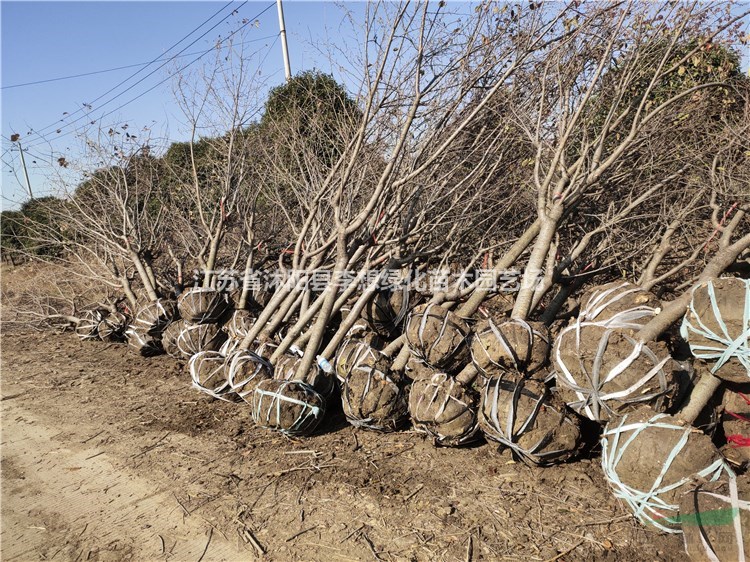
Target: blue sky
{"points": [[44, 40]]}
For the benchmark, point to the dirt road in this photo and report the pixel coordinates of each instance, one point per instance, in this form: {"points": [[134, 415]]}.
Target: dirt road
{"points": [[110, 456], [72, 495]]}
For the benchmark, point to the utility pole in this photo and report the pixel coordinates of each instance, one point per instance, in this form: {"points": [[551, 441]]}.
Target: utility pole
{"points": [[25, 171], [284, 50]]}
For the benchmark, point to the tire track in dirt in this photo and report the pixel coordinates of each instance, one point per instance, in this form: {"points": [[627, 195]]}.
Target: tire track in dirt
{"points": [[73, 497]]}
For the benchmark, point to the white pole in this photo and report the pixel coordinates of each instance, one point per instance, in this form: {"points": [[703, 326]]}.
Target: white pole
{"points": [[284, 50], [25, 171]]}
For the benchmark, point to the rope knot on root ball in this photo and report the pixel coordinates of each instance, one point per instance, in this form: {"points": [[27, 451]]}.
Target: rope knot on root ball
{"points": [[437, 336], [717, 327], [649, 460], [525, 416], [603, 372], [291, 407]]}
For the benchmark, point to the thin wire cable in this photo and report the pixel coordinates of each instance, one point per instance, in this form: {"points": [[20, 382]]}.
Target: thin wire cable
{"points": [[83, 74], [62, 135], [212, 48], [134, 74], [168, 78]]}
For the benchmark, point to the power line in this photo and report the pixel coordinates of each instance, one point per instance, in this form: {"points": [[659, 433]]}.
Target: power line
{"points": [[204, 53], [71, 123], [169, 77], [120, 67], [133, 75]]}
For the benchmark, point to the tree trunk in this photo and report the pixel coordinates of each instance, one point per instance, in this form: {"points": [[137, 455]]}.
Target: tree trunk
{"points": [[547, 231], [672, 312], [318, 330], [246, 282], [212, 252], [143, 274]]}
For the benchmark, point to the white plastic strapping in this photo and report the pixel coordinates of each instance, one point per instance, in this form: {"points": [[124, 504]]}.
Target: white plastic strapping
{"points": [[503, 430], [350, 355], [604, 298], [434, 401], [238, 376], [505, 344], [592, 398], [726, 345], [736, 504], [267, 407], [422, 349], [647, 505], [207, 373], [374, 379]]}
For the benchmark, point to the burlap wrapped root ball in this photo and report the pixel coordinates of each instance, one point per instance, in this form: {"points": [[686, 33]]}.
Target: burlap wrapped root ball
{"points": [[153, 317], [529, 419], [603, 373], [717, 327], [437, 336], [715, 520], [203, 306], [208, 375], [143, 343], [649, 460], [619, 301], [286, 366], [509, 345], [244, 370], [291, 407], [372, 396], [199, 337], [87, 327], [112, 327], [444, 409]]}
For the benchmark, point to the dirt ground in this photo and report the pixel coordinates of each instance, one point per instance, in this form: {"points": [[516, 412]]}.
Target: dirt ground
{"points": [[107, 455], [110, 456]]}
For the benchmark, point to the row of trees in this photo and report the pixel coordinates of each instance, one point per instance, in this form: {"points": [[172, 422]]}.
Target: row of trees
{"points": [[575, 142]]}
